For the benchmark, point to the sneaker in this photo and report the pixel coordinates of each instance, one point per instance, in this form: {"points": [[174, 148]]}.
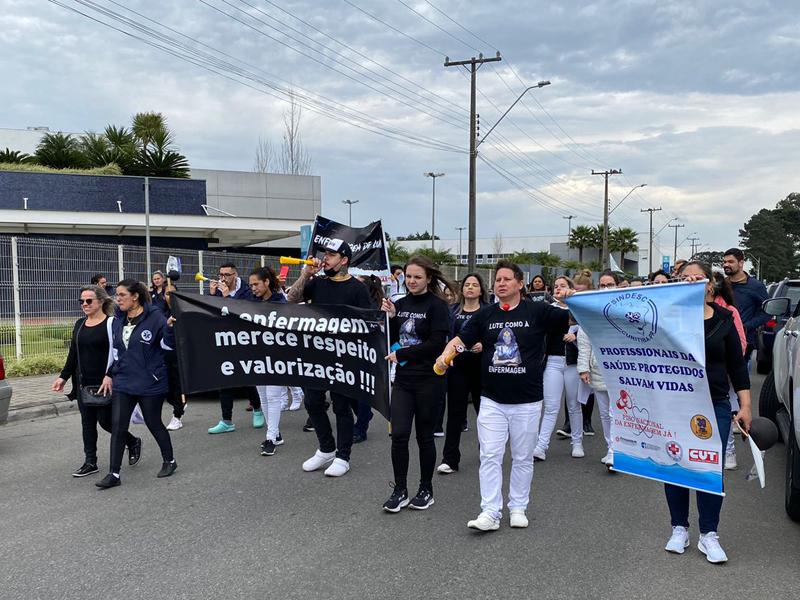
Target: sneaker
{"points": [[174, 424], [397, 501], [423, 499], [108, 481], [319, 460], [284, 406], [338, 468], [137, 418], [86, 469], [249, 408], [465, 427], [267, 448], [439, 433], [258, 419], [588, 429], [539, 455], [167, 469], [708, 544], [730, 461], [278, 440], [135, 452], [295, 405], [565, 432], [445, 469], [358, 438], [608, 459], [222, 427], [308, 426], [577, 451], [484, 522], [679, 540], [518, 518]]}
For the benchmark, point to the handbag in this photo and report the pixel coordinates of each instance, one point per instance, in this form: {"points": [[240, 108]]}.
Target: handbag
{"points": [[88, 394]]}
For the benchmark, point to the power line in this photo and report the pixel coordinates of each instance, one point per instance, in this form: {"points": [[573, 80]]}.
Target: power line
{"points": [[480, 39], [426, 19]]}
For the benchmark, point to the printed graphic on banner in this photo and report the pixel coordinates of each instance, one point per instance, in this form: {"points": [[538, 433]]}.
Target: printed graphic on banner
{"points": [[650, 346], [224, 343], [370, 256]]}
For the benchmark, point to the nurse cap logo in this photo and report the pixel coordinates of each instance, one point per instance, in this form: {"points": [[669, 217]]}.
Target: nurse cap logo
{"points": [[147, 335], [634, 315]]}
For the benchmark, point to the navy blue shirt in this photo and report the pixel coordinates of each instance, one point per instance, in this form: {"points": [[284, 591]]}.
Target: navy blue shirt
{"points": [[750, 295]]}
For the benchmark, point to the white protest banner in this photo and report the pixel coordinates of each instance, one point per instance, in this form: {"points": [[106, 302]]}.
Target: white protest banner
{"points": [[650, 345]]}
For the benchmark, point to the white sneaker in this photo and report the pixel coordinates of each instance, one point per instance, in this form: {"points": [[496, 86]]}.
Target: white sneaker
{"points": [[708, 544], [484, 522], [284, 406], [679, 540], [296, 405], [730, 461], [539, 454], [577, 451], [174, 424], [608, 459], [338, 468], [518, 518], [445, 469], [319, 460], [137, 417]]}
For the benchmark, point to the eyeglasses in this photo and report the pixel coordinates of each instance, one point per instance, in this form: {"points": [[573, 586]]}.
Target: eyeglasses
{"points": [[227, 274], [87, 302], [604, 286]]}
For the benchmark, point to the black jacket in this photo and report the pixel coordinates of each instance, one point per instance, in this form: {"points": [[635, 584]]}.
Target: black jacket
{"points": [[724, 360]]}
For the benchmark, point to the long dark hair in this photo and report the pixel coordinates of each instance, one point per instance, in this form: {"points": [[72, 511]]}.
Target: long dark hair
{"points": [[612, 274], [106, 301], [438, 281], [136, 287], [267, 274], [374, 287], [481, 284], [534, 278]]}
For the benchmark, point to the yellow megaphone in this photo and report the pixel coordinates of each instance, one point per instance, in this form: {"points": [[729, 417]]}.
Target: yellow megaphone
{"points": [[200, 277], [288, 260]]}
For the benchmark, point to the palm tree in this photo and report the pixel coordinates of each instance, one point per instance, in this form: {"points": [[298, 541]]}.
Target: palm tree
{"points": [[581, 237], [623, 240], [159, 160], [523, 257], [60, 151], [96, 149], [439, 257], [147, 125], [15, 157], [397, 254]]}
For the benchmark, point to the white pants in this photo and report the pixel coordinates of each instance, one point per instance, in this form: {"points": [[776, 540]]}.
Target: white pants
{"points": [[273, 398], [558, 378], [496, 424], [603, 402]]}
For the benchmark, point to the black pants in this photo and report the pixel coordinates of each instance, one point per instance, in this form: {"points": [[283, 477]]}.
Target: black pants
{"points": [[418, 402], [175, 392], [461, 385], [227, 396], [318, 415], [91, 417], [121, 410]]}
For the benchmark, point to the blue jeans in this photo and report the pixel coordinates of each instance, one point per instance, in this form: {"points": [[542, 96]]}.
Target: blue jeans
{"points": [[708, 505]]}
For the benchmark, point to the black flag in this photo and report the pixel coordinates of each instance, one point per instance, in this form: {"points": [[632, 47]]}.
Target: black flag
{"points": [[224, 343], [367, 243]]}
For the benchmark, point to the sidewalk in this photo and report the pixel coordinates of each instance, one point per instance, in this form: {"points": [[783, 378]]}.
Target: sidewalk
{"points": [[31, 398]]}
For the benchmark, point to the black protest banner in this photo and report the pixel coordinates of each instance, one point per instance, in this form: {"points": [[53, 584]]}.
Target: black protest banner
{"points": [[367, 243], [224, 343]]}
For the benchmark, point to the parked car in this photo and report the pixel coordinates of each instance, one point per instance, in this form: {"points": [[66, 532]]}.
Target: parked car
{"points": [[788, 288], [5, 393], [778, 400]]}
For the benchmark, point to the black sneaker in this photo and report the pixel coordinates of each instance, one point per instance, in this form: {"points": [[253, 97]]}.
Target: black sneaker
{"points": [[423, 500], [588, 429], [167, 469], [358, 438], [108, 481], [86, 469], [398, 500], [465, 427], [135, 452], [565, 431], [268, 448], [309, 426], [278, 440]]}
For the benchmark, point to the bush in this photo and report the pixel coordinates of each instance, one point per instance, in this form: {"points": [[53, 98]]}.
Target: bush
{"points": [[36, 365], [111, 169]]}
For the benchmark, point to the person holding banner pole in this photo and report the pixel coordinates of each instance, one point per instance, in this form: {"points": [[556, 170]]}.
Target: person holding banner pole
{"points": [[361, 406], [512, 333], [337, 287], [725, 366], [419, 324]]}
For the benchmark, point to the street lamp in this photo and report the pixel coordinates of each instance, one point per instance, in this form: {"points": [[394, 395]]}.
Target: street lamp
{"points": [[541, 84], [641, 185], [460, 229], [433, 209], [350, 208]]}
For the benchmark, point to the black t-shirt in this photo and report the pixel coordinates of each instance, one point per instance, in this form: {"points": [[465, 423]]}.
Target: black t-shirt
{"points": [[465, 360], [420, 326], [322, 290], [513, 347], [555, 345], [92, 344]]}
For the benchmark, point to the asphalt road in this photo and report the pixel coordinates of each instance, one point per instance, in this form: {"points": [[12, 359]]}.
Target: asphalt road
{"points": [[234, 524]]}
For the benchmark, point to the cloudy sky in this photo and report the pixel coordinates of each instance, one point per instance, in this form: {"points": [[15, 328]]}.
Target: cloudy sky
{"points": [[698, 99]]}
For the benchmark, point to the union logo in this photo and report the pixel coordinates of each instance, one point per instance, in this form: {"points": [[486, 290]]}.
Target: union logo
{"points": [[701, 427], [634, 315]]}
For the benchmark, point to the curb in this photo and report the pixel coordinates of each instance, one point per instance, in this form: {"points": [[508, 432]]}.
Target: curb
{"points": [[41, 411]]}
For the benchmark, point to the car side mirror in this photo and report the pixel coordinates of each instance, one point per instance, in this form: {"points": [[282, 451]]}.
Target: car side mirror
{"points": [[776, 307]]}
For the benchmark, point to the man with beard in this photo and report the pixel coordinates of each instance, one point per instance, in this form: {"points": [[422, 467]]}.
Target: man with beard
{"points": [[750, 294]]}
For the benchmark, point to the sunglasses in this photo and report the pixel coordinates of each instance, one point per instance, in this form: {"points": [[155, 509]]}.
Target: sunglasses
{"points": [[87, 302]]}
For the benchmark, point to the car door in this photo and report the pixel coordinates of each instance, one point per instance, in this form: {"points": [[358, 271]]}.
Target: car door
{"points": [[786, 362]]}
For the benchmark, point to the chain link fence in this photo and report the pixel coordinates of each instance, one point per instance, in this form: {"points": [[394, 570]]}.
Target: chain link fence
{"points": [[40, 279]]}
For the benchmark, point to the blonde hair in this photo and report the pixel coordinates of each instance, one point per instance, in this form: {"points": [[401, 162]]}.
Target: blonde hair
{"points": [[585, 278]]}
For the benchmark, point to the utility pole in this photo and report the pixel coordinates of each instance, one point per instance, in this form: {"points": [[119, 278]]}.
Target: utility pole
{"points": [[650, 253], [460, 229], [472, 65], [569, 230], [694, 241], [675, 253], [350, 209], [147, 226], [606, 174], [433, 176]]}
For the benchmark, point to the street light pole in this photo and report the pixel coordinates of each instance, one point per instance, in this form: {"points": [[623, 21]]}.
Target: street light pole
{"points": [[606, 175], [460, 229], [350, 209], [433, 176], [569, 230], [625, 197], [675, 252], [650, 252]]}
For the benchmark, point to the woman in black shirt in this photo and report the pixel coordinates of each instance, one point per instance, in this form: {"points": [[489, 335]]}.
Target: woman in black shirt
{"points": [[91, 349], [724, 364], [419, 324], [464, 379]]}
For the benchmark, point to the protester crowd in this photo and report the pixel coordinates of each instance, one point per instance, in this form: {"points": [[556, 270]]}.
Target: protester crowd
{"points": [[510, 351]]}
